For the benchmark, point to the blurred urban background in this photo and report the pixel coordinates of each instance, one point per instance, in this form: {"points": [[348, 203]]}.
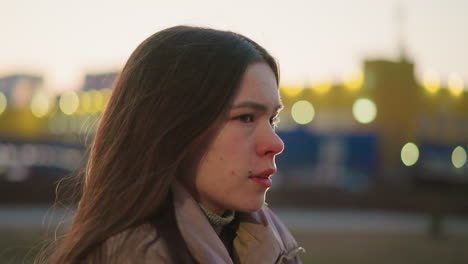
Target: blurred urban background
{"points": [[375, 166]]}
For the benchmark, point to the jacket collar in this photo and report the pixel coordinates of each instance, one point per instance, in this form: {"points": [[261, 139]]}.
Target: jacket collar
{"points": [[257, 240]]}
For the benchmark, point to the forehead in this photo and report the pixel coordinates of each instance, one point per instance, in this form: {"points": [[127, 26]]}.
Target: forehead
{"points": [[259, 84]]}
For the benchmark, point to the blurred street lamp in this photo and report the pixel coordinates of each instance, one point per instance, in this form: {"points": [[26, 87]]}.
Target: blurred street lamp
{"points": [[409, 154], [302, 112], [364, 110]]}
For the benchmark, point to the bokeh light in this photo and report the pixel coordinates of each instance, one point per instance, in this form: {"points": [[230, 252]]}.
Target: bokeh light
{"points": [[355, 82], [291, 91], [69, 102], [106, 93], [455, 84], [431, 82], [458, 157], [85, 102], [364, 110], [323, 87], [97, 100], [3, 103], [409, 154], [40, 104], [302, 112]]}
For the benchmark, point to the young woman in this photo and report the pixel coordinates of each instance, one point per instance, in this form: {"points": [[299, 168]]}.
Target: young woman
{"points": [[183, 158]]}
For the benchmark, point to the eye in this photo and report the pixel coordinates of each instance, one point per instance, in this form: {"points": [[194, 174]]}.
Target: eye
{"points": [[247, 118]]}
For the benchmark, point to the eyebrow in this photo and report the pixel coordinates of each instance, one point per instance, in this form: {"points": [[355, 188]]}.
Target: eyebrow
{"points": [[256, 106]]}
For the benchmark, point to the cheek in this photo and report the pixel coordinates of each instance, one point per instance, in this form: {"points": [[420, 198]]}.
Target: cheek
{"points": [[229, 154], [227, 162], [231, 147]]}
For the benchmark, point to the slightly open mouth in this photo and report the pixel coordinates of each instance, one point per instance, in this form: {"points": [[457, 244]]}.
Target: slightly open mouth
{"points": [[263, 181]]}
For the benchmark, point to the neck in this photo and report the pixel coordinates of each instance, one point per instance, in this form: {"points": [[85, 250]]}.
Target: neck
{"points": [[218, 221]]}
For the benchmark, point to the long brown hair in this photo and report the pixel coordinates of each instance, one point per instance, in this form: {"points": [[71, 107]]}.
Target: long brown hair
{"points": [[175, 86]]}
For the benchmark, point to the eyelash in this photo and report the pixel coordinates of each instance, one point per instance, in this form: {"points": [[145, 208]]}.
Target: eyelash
{"points": [[273, 121]]}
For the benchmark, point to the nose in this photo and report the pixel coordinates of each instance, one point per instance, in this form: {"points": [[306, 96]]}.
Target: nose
{"points": [[269, 143]]}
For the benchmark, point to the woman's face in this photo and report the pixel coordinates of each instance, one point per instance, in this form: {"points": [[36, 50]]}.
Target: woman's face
{"points": [[236, 170]]}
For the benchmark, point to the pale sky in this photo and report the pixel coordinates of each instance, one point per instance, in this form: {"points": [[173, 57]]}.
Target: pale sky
{"points": [[312, 40]]}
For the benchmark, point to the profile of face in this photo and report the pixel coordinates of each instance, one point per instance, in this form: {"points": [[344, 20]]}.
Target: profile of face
{"points": [[235, 172]]}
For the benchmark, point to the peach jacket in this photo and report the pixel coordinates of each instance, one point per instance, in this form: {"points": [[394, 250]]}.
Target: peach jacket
{"points": [[261, 237]]}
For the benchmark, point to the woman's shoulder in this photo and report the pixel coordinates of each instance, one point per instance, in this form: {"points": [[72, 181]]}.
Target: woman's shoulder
{"points": [[140, 244]]}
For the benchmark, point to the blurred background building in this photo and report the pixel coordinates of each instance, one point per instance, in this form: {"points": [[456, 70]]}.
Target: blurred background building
{"points": [[375, 164], [381, 129]]}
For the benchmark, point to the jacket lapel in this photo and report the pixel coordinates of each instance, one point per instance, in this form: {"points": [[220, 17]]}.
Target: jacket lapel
{"points": [[202, 241], [256, 241]]}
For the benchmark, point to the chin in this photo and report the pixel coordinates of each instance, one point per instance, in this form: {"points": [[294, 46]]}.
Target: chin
{"points": [[252, 206]]}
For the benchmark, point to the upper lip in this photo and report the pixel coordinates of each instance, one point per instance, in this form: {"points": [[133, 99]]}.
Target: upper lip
{"points": [[265, 173]]}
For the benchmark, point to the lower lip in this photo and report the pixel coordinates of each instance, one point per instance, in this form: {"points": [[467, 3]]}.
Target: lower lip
{"points": [[264, 182]]}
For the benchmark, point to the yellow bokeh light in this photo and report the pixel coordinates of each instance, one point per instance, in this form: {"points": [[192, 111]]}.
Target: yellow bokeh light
{"points": [[106, 93], [364, 110], [3, 103], [355, 82], [302, 112], [323, 88], [40, 104], [69, 102], [409, 154], [291, 91], [431, 82], [98, 101], [455, 84], [85, 102], [458, 157]]}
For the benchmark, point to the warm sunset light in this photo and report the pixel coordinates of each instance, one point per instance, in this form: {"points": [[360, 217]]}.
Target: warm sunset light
{"points": [[355, 81], [455, 84], [291, 91], [431, 82], [117, 141]]}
